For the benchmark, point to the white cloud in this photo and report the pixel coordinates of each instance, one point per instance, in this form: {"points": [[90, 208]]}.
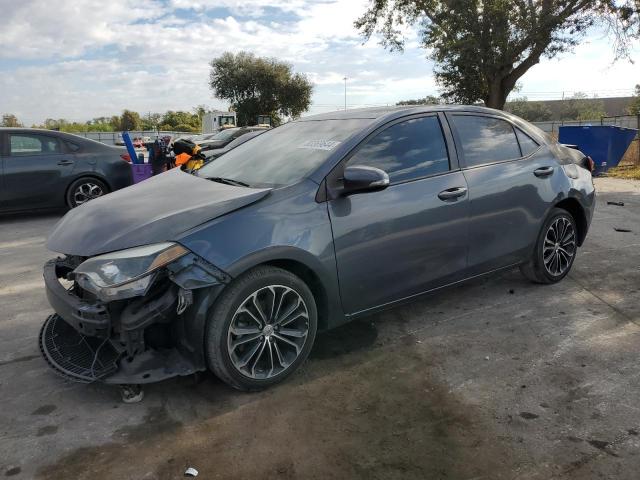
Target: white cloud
{"points": [[589, 68], [84, 58], [59, 28]]}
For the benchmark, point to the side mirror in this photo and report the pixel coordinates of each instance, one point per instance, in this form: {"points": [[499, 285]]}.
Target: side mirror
{"points": [[364, 179]]}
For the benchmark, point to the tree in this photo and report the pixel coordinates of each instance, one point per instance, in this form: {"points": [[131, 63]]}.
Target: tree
{"points": [[115, 122], [581, 107], [259, 86], [10, 120], [181, 121], [151, 121], [482, 47], [130, 120], [531, 111], [428, 100], [634, 106]]}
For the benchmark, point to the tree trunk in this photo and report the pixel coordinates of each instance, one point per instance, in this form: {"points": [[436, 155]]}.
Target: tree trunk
{"points": [[497, 95]]}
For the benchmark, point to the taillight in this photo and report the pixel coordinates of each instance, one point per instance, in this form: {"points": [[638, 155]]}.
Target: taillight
{"points": [[126, 157], [590, 164]]}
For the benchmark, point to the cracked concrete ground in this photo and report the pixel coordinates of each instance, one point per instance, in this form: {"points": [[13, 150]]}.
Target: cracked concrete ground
{"points": [[495, 379]]}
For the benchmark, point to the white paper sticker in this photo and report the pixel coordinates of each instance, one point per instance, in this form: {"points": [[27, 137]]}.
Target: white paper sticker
{"points": [[320, 144]]}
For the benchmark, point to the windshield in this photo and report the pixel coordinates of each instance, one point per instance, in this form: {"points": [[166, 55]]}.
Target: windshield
{"points": [[223, 135], [198, 138], [284, 155]]}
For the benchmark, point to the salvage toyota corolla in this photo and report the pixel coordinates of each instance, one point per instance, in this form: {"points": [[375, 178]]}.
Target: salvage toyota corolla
{"points": [[236, 267]]}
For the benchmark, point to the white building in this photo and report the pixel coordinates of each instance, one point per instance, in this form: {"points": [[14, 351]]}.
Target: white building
{"points": [[214, 121]]}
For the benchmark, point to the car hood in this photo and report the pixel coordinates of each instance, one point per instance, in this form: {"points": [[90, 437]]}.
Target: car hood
{"points": [[155, 210]]}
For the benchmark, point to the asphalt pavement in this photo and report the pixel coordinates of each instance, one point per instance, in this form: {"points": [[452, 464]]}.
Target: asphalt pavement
{"points": [[497, 378]]}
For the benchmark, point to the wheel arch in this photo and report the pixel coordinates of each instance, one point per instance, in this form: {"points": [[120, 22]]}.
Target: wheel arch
{"points": [[308, 268], [576, 210], [308, 276]]}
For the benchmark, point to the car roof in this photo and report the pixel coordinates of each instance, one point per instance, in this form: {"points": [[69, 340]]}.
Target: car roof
{"points": [[390, 111], [88, 142]]}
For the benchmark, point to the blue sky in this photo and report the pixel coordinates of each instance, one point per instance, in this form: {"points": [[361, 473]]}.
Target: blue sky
{"points": [[79, 59]]}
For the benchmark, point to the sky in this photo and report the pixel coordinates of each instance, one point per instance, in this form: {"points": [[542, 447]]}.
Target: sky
{"points": [[80, 59]]}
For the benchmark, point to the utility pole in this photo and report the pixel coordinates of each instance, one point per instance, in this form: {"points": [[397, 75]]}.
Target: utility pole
{"points": [[345, 92]]}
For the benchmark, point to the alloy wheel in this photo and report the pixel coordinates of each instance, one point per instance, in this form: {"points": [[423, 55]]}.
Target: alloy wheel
{"points": [[559, 246], [268, 331], [87, 191]]}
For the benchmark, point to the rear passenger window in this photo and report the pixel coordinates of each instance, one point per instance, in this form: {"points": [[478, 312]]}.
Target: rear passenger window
{"points": [[527, 144], [26, 144], [74, 147], [485, 139], [407, 150]]}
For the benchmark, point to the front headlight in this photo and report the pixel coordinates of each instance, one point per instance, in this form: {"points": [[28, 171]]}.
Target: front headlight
{"points": [[127, 273]]}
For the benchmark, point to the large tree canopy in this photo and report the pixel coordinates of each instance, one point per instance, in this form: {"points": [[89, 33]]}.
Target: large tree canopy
{"points": [[259, 86], [482, 47]]}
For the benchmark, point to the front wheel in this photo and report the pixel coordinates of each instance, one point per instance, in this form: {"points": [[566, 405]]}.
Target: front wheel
{"points": [[261, 329], [555, 250]]}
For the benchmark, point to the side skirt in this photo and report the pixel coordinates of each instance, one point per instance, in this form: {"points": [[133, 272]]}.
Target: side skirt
{"points": [[410, 298]]}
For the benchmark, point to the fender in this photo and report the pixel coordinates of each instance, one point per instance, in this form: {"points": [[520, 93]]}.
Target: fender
{"points": [[327, 277]]}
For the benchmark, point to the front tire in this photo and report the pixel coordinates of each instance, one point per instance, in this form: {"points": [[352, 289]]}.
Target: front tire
{"points": [[261, 329], [85, 189], [555, 249]]}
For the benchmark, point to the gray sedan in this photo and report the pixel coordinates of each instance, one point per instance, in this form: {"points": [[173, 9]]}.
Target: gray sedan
{"points": [[46, 169], [306, 227]]}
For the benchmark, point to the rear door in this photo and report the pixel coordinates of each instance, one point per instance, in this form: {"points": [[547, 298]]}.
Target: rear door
{"points": [[410, 237], [509, 178], [3, 193], [36, 167]]}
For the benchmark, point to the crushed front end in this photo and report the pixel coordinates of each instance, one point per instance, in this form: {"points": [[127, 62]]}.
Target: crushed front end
{"points": [[129, 317]]}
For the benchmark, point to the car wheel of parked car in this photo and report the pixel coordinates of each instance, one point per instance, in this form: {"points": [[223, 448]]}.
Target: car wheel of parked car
{"points": [[555, 251], [261, 329], [85, 189]]}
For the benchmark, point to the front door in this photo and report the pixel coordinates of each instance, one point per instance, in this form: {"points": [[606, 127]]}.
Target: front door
{"points": [[410, 237], [35, 171]]}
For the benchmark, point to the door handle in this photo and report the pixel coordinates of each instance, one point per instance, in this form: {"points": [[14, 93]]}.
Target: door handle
{"points": [[452, 193], [543, 171], [65, 162]]}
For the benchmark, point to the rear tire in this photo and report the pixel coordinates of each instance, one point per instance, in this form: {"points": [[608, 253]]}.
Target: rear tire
{"points": [[261, 329], [85, 189], [555, 249]]}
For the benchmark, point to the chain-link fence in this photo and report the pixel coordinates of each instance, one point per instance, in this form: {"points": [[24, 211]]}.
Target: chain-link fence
{"points": [[115, 138]]}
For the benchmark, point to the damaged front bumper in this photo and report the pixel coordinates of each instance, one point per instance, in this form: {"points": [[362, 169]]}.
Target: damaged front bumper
{"points": [[139, 340]]}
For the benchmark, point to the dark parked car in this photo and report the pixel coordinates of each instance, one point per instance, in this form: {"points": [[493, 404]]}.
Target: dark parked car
{"points": [[48, 169], [303, 228], [215, 153], [223, 138]]}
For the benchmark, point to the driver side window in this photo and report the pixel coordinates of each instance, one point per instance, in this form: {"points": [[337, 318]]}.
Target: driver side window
{"points": [[407, 150]]}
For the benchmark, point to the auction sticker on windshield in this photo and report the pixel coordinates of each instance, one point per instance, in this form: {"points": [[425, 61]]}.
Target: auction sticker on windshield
{"points": [[320, 144]]}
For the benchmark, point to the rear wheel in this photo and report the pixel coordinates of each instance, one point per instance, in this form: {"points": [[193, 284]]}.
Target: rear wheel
{"points": [[261, 329], [85, 189], [555, 250]]}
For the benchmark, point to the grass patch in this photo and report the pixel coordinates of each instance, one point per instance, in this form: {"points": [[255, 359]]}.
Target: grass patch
{"points": [[630, 172]]}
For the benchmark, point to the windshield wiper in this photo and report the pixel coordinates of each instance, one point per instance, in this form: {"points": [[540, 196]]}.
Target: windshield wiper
{"points": [[228, 181]]}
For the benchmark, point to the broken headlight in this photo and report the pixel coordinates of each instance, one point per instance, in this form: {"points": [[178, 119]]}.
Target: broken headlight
{"points": [[126, 273]]}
